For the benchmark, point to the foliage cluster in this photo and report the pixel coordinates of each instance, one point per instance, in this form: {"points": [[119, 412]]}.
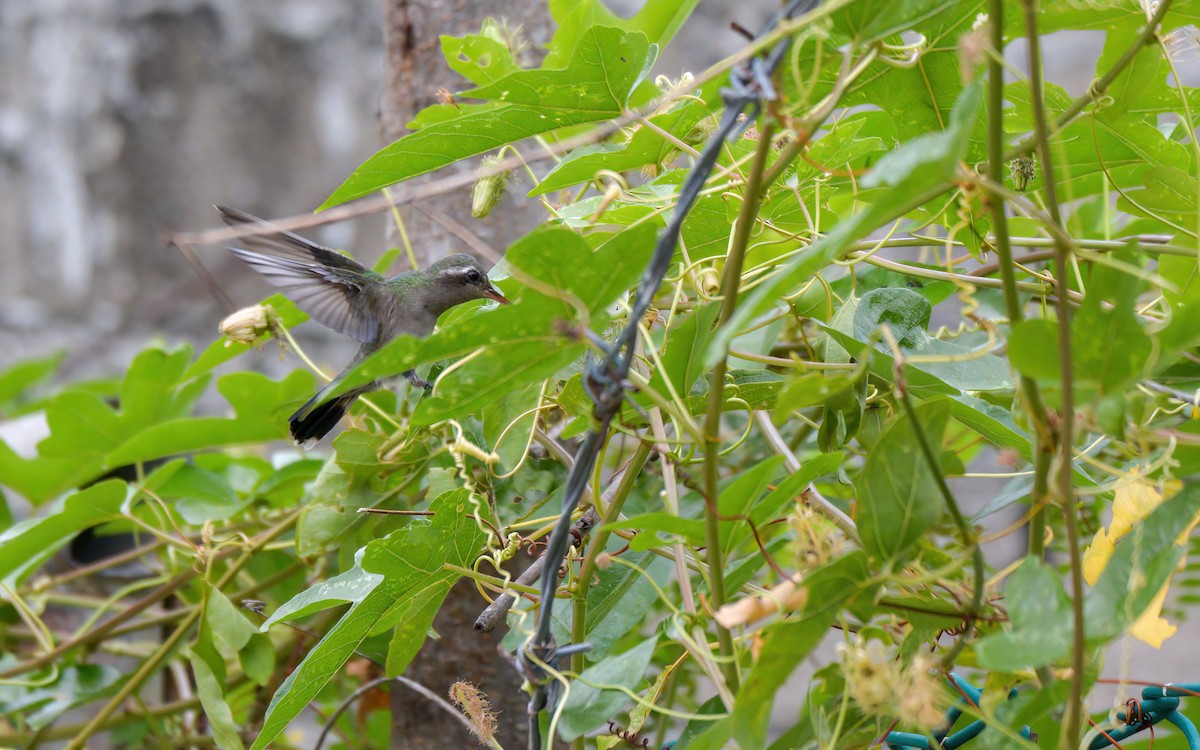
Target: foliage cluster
{"points": [[894, 180]]}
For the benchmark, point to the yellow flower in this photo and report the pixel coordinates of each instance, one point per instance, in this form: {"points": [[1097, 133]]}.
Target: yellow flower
{"points": [[1096, 557], [1151, 628], [1132, 502]]}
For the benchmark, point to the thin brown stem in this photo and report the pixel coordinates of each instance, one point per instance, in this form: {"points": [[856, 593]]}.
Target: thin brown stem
{"points": [[1043, 439], [1066, 495], [716, 395], [148, 667]]}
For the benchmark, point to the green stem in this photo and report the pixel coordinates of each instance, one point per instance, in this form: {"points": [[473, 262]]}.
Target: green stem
{"points": [[596, 546], [24, 739], [102, 630], [716, 396], [151, 664], [1031, 395], [964, 530], [1066, 496]]}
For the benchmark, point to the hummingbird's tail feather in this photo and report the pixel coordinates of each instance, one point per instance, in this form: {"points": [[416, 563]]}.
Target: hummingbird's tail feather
{"points": [[314, 420]]}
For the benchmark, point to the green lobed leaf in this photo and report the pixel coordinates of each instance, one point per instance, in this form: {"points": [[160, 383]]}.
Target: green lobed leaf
{"points": [[200, 495], [509, 422], [398, 579], [659, 20], [26, 545], [595, 85], [644, 147], [19, 379], [479, 58]]}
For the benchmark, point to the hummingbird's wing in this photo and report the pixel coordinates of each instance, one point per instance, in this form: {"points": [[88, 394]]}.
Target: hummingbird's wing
{"points": [[330, 287]]}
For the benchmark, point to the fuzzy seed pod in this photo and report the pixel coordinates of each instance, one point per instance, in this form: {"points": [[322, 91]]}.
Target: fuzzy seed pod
{"points": [[1022, 170]]}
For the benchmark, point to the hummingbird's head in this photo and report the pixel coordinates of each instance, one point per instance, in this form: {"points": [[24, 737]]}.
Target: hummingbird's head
{"points": [[459, 278]]}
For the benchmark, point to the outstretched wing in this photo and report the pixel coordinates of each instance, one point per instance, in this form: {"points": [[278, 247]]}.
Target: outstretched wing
{"points": [[330, 287]]}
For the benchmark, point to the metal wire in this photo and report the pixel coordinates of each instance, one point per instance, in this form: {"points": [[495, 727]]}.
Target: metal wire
{"points": [[605, 380]]}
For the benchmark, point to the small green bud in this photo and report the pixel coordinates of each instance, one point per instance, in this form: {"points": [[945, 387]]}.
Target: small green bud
{"points": [[488, 190]]}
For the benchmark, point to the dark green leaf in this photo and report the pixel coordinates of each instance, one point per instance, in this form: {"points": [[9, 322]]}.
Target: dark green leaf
{"points": [[904, 311], [396, 581], [898, 496], [617, 601]]}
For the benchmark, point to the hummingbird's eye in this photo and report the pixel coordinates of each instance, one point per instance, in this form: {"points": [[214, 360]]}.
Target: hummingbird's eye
{"points": [[473, 276]]}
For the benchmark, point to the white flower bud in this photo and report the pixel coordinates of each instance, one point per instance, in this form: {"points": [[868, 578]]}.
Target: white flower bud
{"points": [[246, 325]]}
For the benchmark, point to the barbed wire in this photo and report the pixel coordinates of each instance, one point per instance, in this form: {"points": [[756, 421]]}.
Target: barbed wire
{"points": [[605, 380]]}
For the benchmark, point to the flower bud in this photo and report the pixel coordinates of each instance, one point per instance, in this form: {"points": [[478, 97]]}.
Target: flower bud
{"points": [[709, 282], [488, 190], [246, 325]]}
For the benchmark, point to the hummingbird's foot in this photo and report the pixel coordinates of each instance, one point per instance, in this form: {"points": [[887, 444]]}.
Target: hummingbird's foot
{"points": [[417, 381]]}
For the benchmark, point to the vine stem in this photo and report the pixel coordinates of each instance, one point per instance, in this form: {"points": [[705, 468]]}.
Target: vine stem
{"points": [[599, 540], [967, 534], [1066, 496], [1100, 85], [716, 397], [148, 667], [100, 631], [1043, 439]]}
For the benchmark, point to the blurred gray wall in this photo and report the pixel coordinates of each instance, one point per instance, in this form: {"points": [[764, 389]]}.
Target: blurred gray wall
{"points": [[121, 120], [124, 120]]}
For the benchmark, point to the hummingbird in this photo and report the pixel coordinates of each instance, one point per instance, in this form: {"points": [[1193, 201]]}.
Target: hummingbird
{"points": [[342, 294]]}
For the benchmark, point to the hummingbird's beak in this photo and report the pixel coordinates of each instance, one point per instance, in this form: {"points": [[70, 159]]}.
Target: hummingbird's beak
{"points": [[493, 293]]}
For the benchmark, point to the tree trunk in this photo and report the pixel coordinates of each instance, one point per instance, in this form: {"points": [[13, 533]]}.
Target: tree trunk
{"points": [[415, 70]]}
